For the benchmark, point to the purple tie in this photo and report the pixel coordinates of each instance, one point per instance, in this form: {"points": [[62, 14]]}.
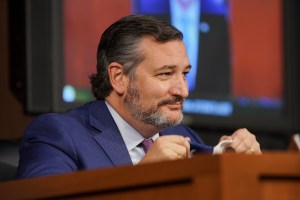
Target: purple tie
{"points": [[146, 144]]}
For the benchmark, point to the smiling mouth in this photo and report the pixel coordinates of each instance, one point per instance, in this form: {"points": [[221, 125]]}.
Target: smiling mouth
{"points": [[174, 104], [177, 105]]}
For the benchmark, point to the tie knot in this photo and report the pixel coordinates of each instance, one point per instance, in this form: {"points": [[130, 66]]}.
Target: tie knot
{"points": [[146, 144]]}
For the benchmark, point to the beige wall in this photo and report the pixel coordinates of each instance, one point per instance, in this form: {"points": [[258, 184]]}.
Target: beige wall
{"points": [[12, 119]]}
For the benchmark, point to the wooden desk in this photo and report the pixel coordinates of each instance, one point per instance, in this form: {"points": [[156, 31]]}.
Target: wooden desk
{"points": [[224, 177]]}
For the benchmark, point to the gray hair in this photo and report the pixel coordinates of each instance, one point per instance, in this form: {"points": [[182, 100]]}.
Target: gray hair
{"points": [[120, 43]]}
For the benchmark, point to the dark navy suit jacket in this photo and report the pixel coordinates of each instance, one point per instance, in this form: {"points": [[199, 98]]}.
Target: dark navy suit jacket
{"points": [[83, 138]]}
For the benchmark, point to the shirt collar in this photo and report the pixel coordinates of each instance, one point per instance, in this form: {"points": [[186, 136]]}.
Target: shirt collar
{"points": [[131, 137]]}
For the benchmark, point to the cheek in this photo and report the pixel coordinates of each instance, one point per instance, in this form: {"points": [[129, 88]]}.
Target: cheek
{"points": [[155, 92]]}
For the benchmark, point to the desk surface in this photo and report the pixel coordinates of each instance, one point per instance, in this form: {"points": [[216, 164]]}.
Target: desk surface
{"points": [[228, 176]]}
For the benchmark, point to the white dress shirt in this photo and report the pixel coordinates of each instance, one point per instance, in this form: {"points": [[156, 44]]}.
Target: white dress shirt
{"points": [[131, 137]]}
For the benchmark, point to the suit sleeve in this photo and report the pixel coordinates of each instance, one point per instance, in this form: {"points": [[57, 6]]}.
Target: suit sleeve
{"points": [[47, 148]]}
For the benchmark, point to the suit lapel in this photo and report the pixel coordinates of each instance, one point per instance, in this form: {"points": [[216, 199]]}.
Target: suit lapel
{"points": [[109, 136]]}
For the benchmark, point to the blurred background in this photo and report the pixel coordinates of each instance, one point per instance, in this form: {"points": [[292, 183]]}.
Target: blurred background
{"points": [[243, 52]]}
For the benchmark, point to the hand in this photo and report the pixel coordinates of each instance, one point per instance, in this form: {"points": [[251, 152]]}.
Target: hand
{"points": [[243, 142], [170, 147]]}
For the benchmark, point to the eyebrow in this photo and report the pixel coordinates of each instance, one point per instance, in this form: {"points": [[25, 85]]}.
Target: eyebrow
{"points": [[173, 67]]}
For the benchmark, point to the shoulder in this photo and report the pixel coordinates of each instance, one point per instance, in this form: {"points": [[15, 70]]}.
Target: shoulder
{"points": [[53, 122], [72, 119], [60, 129]]}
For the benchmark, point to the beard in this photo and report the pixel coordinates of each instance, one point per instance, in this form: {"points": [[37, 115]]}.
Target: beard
{"points": [[153, 115]]}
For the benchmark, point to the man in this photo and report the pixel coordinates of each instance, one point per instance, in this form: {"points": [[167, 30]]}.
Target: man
{"points": [[140, 88]]}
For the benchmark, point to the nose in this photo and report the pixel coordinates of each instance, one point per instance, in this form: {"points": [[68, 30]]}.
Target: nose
{"points": [[179, 87]]}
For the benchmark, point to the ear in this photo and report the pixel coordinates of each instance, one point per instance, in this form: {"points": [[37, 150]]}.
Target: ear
{"points": [[117, 77]]}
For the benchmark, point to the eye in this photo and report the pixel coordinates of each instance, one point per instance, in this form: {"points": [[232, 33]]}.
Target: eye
{"points": [[165, 74], [185, 73]]}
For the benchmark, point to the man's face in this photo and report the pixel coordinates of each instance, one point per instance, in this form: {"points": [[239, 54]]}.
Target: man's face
{"points": [[158, 90]]}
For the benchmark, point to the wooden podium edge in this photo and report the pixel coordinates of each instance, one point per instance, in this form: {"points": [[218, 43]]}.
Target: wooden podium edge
{"points": [[227, 176]]}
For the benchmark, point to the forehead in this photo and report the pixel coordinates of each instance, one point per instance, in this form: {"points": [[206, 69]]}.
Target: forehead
{"points": [[157, 54]]}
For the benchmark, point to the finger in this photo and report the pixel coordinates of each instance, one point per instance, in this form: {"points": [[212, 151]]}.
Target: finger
{"points": [[188, 147], [179, 140], [255, 148], [181, 150], [172, 147], [239, 132], [245, 142], [171, 138], [225, 137], [243, 146], [241, 140], [250, 151], [238, 145]]}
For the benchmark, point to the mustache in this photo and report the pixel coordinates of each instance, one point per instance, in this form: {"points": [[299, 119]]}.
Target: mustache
{"points": [[176, 99]]}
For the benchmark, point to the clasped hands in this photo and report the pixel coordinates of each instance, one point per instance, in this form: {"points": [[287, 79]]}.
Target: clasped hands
{"points": [[172, 147]]}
